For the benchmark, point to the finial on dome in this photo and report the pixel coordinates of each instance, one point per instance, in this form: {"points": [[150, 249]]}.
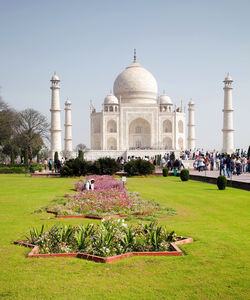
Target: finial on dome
{"points": [[134, 55], [110, 91], [164, 92]]}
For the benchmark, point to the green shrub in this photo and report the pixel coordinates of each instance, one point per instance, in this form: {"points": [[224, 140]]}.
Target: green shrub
{"points": [[12, 170], [75, 167], [165, 172], [107, 166], [34, 167], [184, 175], [138, 167], [80, 155], [221, 182], [66, 171]]}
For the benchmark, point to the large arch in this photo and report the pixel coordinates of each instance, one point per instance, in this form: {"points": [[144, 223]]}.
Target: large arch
{"points": [[167, 143], [111, 126], [111, 143], [167, 126], [180, 143], [139, 134], [97, 126], [180, 126]]}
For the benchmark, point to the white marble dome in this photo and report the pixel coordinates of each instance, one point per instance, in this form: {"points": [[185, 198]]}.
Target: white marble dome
{"points": [[136, 85], [164, 99], [55, 77], [67, 102], [228, 78], [110, 99]]}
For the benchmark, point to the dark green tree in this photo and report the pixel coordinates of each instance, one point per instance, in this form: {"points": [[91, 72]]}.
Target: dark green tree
{"points": [[55, 156], [80, 155], [26, 158]]}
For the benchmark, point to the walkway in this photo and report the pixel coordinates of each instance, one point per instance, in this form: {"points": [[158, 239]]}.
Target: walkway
{"points": [[245, 177]]}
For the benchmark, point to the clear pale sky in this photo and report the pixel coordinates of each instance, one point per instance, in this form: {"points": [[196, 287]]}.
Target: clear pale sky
{"points": [[189, 46]]}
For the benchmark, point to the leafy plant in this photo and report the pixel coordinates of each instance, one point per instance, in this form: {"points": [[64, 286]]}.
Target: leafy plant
{"points": [[111, 237], [139, 167], [184, 175], [165, 172], [221, 182]]}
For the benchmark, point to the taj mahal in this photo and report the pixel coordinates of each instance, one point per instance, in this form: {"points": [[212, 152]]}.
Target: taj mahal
{"points": [[135, 120]]}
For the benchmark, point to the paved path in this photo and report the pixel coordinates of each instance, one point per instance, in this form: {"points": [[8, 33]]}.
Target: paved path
{"points": [[245, 177]]}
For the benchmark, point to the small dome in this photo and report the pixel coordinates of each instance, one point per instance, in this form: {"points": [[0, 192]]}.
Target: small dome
{"points": [[228, 78], [191, 102], [55, 78], [67, 102], [164, 99], [111, 99], [136, 84]]}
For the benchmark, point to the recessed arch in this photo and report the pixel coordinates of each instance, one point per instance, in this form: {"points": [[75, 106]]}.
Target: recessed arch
{"points": [[111, 126], [111, 143], [167, 126], [139, 134], [180, 143], [167, 143], [180, 126]]}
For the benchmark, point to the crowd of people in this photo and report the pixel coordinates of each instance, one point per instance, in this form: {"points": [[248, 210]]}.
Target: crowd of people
{"points": [[226, 164]]}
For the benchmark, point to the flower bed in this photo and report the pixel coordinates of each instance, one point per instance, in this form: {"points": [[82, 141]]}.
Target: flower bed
{"points": [[109, 198], [110, 241]]}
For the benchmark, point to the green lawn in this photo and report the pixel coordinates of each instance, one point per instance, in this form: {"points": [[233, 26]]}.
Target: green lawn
{"points": [[216, 265]]}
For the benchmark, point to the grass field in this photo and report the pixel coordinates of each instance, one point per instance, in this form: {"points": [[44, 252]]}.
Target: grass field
{"points": [[216, 265]]}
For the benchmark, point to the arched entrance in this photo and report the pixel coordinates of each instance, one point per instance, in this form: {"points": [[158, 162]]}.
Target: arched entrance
{"points": [[139, 134]]}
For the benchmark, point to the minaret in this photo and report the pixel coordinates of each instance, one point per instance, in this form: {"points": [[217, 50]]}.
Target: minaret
{"points": [[68, 127], [55, 130], [191, 126], [228, 131]]}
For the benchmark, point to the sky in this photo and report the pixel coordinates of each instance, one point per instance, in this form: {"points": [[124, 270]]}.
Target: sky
{"points": [[189, 47]]}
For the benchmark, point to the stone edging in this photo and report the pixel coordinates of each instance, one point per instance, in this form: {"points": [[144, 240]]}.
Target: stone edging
{"points": [[86, 217], [176, 252]]}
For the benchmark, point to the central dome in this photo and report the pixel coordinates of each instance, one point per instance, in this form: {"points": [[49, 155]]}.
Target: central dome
{"points": [[136, 85]]}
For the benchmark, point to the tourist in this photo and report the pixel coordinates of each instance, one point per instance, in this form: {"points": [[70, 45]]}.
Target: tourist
{"points": [[244, 163], [211, 163], [45, 164], [200, 164], [228, 165], [222, 164], [89, 185], [163, 162], [50, 164], [238, 166]]}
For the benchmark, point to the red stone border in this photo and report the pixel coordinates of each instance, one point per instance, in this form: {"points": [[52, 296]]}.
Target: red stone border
{"points": [[86, 217], [176, 252]]}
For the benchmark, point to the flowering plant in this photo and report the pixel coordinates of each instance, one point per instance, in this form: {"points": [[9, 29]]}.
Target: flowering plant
{"points": [[111, 237], [109, 197]]}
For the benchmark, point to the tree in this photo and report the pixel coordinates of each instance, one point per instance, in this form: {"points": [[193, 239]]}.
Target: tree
{"points": [[8, 121], [56, 156], [80, 155], [31, 129], [81, 147]]}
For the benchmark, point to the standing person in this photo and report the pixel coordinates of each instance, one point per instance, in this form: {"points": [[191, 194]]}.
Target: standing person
{"points": [[58, 166], [217, 161], [45, 164], [244, 163], [212, 163], [50, 164], [238, 166], [228, 165], [222, 165]]}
